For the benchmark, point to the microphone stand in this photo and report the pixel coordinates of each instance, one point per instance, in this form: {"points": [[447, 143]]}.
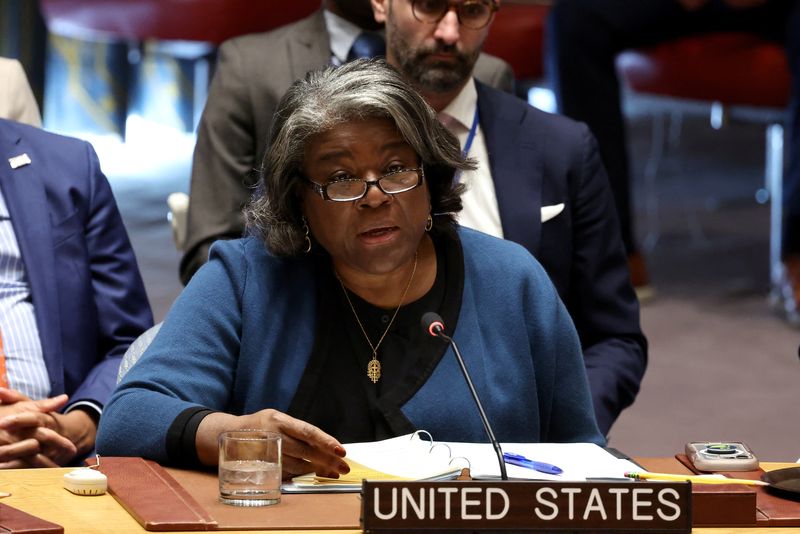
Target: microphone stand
{"points": [[436, 329]]}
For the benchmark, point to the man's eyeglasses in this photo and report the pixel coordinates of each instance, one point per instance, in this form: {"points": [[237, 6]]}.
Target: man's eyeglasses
{"points": [[473, 14], [354, 188]]}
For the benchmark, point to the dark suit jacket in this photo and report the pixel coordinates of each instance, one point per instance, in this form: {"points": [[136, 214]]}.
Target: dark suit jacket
{"points": [[538, 159], [88, 296], [252, 74]]}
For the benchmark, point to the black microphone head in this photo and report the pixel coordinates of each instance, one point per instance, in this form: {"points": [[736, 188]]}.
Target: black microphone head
{"points": [[432, 323]]}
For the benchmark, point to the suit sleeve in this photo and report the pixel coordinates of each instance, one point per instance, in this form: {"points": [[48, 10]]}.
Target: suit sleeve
{"points": [[564, 398], [601, 300], [224, 160], [123, 311], [570, 406]]}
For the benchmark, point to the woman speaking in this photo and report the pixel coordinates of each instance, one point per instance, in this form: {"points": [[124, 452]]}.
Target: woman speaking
{"points": [[311, 326]]}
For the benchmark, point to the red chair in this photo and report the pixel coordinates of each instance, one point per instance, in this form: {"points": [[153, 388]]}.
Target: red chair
{"points": [[196, 20], [739, 74], [517, 36]]}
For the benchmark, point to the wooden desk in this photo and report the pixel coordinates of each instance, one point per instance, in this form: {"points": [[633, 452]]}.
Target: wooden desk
{"points": [[40, 492]]}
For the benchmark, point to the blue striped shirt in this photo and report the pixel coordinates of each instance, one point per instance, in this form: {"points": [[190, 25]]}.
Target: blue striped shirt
{"points": [[25, 366]]}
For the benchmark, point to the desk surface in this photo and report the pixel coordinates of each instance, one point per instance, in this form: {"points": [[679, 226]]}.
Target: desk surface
{"points": [[40, 492]]}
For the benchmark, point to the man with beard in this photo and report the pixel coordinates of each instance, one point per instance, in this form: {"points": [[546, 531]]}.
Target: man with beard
{"points": [[539, 182], [252, 73]]}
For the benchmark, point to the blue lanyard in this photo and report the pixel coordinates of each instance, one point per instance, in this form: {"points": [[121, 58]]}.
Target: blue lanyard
{"points": [[471, 135], [470, 138]]}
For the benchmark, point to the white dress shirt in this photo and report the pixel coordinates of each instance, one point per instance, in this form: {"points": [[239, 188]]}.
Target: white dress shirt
{"points": [[25, 367], [342, 35], [480, 200]]}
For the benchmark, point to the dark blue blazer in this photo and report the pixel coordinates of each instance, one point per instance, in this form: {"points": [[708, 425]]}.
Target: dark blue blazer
{"points": [[538, 159], [87, 293]]}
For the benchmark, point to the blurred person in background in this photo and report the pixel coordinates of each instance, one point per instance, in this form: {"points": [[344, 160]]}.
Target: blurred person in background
{"points": [[583, 40]]}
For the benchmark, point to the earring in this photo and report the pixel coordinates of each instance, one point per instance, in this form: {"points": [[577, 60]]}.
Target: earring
{"points": [[307, 239], [429, 224]]}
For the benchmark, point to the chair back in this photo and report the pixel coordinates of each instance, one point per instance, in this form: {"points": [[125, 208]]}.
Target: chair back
{"points": [[517, 36], [136, 350], [186, 20], [735, 69]]}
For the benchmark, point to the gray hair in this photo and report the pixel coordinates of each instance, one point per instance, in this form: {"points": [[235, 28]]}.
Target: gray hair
{"points": [[318, 103]]}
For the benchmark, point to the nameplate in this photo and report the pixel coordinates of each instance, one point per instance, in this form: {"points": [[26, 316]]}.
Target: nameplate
{"points": [[526, 506]]}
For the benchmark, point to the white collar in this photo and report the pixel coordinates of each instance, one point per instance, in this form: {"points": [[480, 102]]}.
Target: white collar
{"points": [[462, 107], [342, 34]]}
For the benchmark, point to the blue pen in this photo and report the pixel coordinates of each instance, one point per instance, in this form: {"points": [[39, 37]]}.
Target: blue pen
{"points": [[518, 459]]}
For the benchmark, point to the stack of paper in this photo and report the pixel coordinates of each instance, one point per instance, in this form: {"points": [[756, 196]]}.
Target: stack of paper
{"points": [[579, 461], [406, 457], [414, 457]]}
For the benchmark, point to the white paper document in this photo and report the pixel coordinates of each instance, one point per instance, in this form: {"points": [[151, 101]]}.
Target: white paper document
{"points": [[579, 461], [417, 457]]}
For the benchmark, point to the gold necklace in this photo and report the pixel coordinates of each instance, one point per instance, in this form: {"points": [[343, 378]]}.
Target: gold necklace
{"points": [[374, 366]]}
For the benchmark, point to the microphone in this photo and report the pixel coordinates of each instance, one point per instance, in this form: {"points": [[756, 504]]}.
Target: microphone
{"points": [[433, 325]]}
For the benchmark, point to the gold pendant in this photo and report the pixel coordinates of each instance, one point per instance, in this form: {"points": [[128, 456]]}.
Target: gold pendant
{"points": [[374, 369]]}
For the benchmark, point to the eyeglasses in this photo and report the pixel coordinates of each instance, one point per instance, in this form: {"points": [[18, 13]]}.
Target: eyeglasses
{"points": [[473, 14], [349, 189]]}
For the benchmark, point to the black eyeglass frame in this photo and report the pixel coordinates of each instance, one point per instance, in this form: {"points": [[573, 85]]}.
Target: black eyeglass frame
{"points": [[322, 189], [493, 8]]}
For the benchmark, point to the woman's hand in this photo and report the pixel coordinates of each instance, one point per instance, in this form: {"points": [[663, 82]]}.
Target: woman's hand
{"points": [[305, 447]]}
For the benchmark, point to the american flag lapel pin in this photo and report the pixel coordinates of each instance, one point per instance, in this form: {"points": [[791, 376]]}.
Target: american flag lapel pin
{"points": [[19, 161]]}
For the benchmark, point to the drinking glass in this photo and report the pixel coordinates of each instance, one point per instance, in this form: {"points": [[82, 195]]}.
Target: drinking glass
{"points": [[249, 467]]}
